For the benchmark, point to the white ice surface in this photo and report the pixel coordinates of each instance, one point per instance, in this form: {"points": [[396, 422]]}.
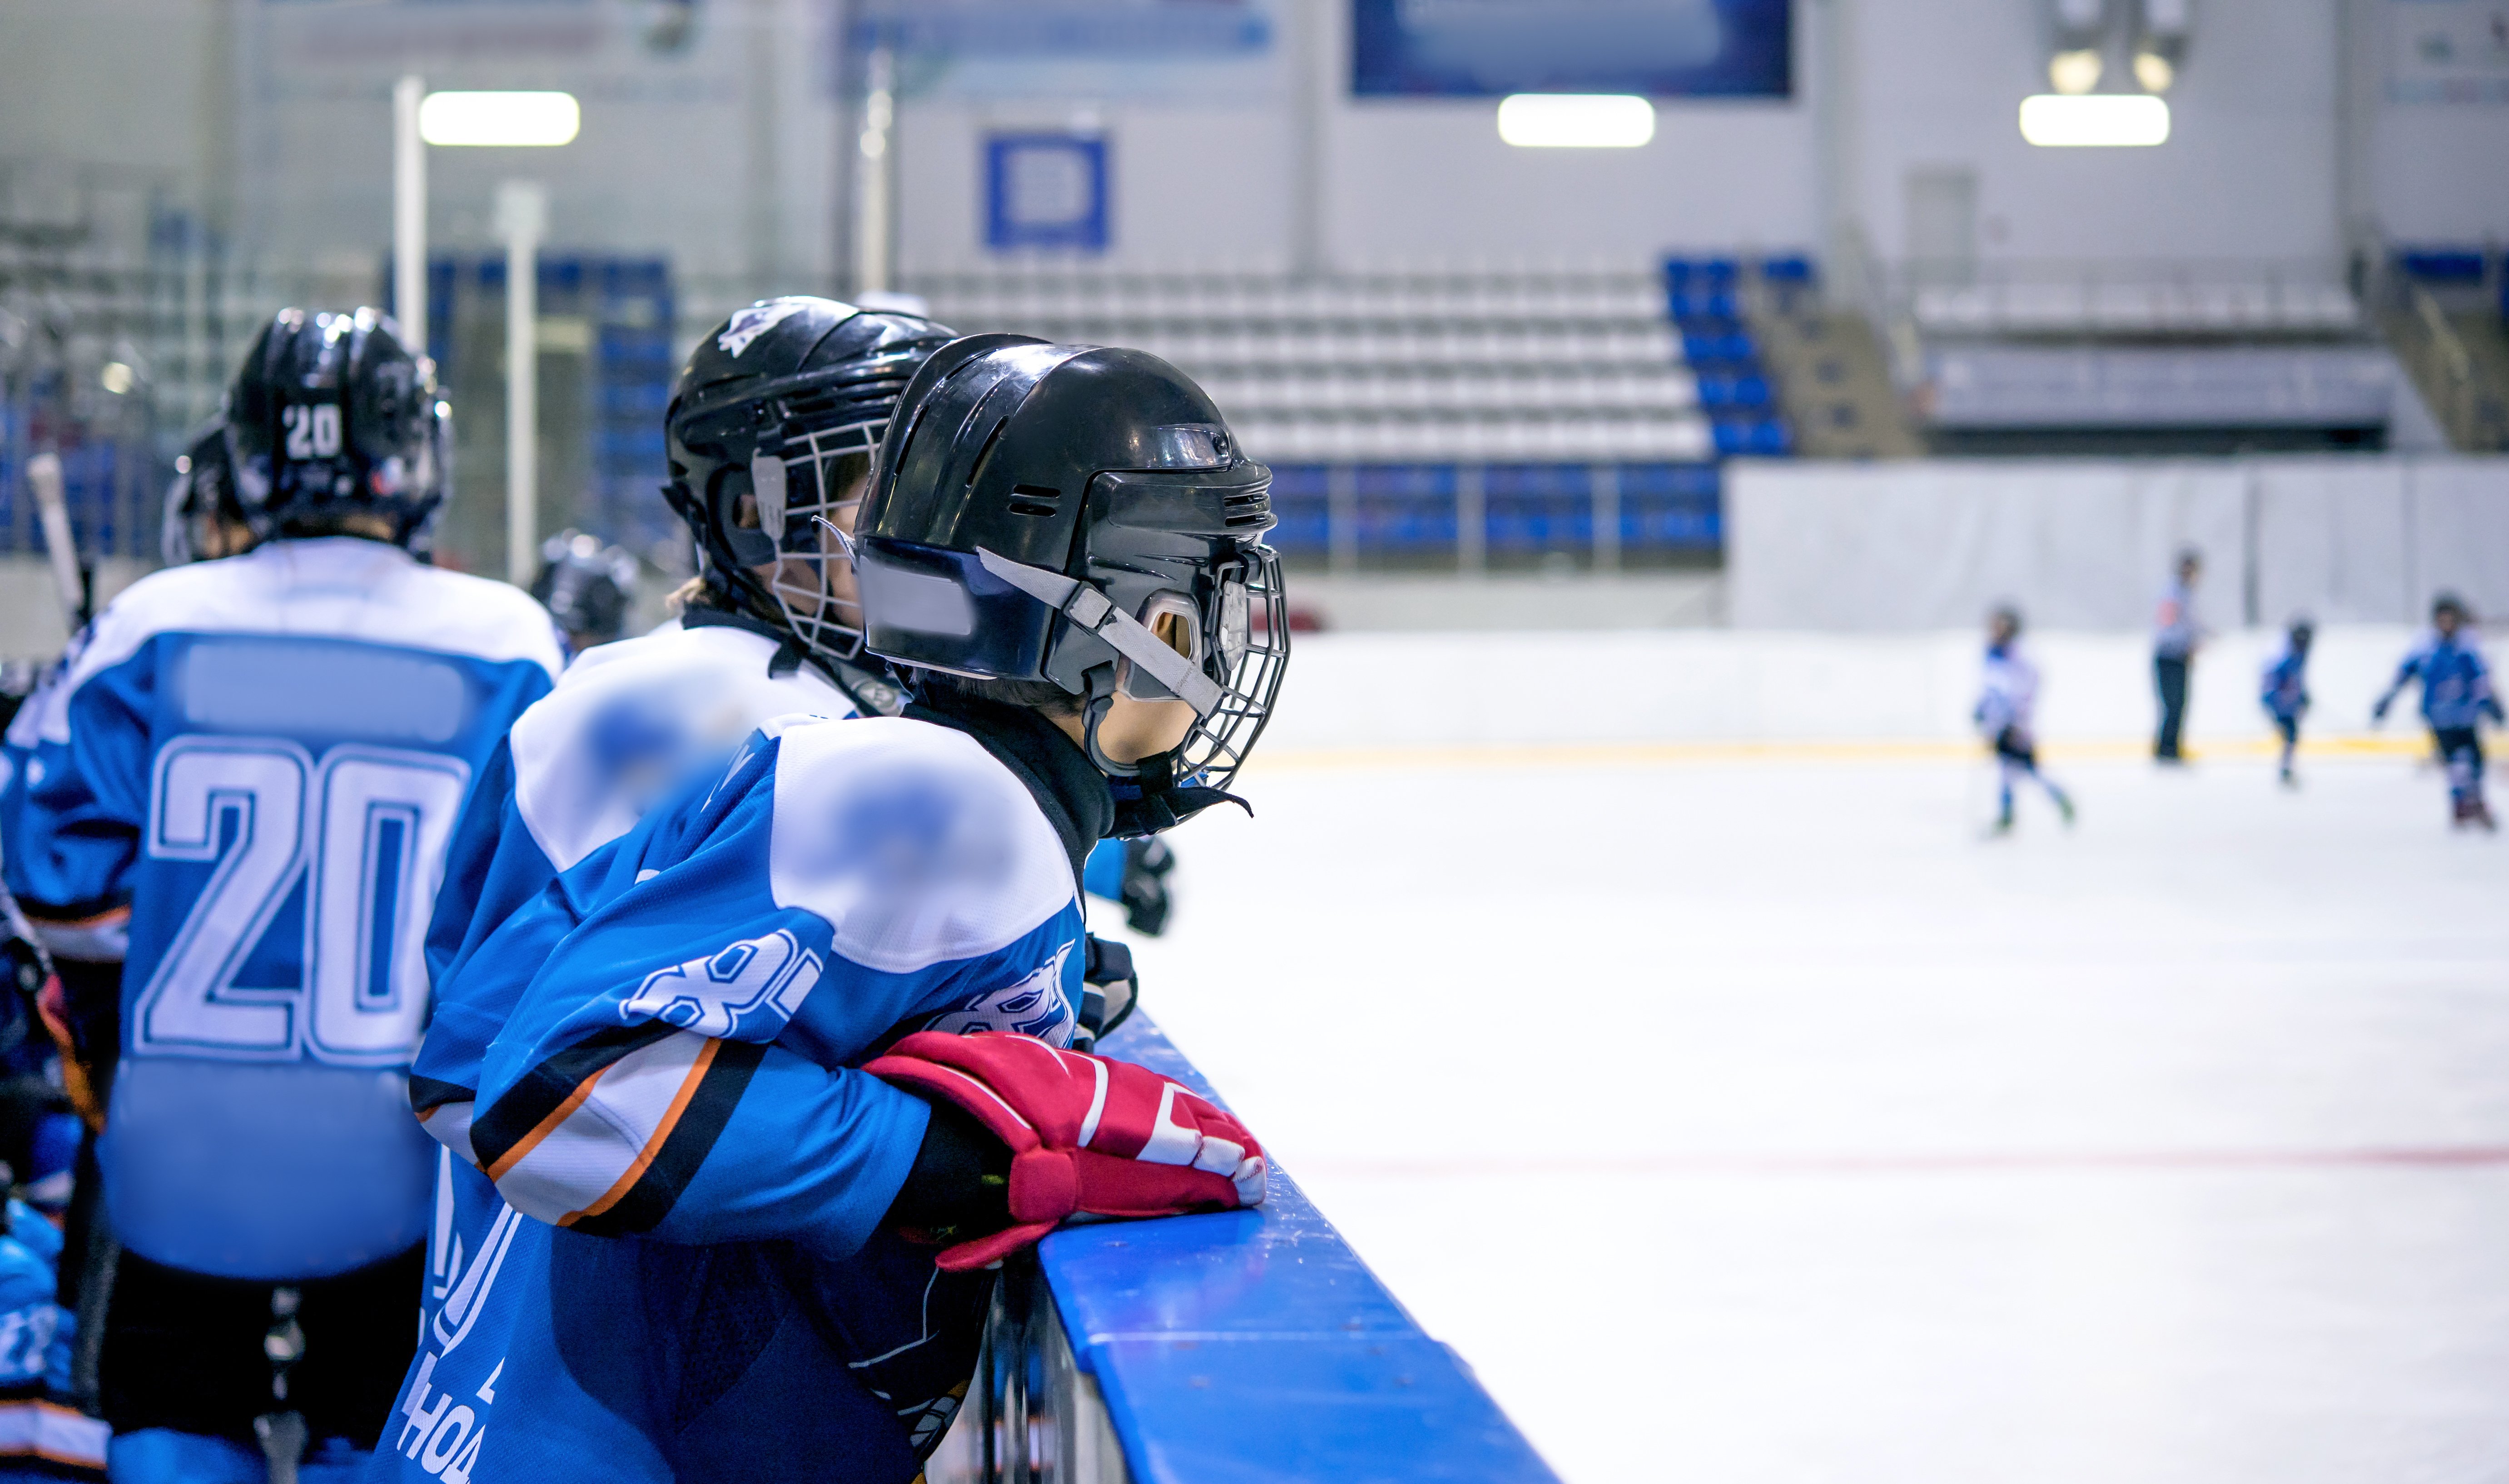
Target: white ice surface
{"points": [[1718, 685], [1757, 1120]]}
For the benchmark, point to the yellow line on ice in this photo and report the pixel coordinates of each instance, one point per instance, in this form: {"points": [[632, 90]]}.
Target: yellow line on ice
{"points": [[1533, 754]]}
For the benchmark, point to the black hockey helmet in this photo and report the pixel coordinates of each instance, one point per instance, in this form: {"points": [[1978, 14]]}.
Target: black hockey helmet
{"points": [[1039, 508], [587, 587], [332, 416], [769, 421], [201, 504]]}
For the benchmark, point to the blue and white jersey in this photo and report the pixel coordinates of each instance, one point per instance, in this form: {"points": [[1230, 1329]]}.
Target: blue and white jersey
{"points": [[626, 722], [2008, 697], [245, 789], [683, 1011], [2457, 684], [17, 743], [2285, 683]]}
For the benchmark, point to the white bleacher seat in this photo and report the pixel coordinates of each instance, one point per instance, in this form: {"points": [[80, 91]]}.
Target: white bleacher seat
{"points": [[1411, 362]]}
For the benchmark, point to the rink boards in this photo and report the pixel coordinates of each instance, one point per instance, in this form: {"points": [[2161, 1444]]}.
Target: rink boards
{"points": [[1238, 1345]]}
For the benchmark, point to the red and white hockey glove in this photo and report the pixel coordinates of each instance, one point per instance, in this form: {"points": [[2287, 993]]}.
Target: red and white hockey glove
{"points": [[1086, 1134]]}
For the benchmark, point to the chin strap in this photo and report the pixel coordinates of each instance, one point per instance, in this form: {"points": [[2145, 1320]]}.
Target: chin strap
{"points": [[1152, 800], [1090, 609]]}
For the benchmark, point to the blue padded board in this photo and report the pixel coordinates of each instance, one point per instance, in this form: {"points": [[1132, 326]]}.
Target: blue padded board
{"points": [[1251, 1346]]}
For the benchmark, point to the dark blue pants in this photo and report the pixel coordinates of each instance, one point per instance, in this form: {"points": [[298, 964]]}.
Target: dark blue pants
{"points": [[2169, 677]]}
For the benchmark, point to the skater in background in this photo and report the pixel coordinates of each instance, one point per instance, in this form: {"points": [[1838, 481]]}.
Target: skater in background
{"points": [[2286, 690], [2173, 651], [2456, 695], [2006, 704]]}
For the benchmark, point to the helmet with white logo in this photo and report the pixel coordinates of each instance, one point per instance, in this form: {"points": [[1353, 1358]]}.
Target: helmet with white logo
{"points": [[772, 425], [332, 417], [1079, 515]]}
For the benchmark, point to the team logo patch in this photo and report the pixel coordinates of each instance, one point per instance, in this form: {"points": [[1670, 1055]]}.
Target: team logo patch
{"points": [[754, 321], [748, 991], [1035, 1007]]}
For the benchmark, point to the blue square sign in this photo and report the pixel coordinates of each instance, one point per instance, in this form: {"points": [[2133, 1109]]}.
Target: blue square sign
{"points": [[1046, 190]]}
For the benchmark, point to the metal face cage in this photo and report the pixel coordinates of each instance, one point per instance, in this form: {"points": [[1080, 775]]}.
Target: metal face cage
{"points": [[1246, 649], [803, 510]]}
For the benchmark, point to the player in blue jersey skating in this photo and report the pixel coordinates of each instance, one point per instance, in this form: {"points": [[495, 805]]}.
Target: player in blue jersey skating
{"points": [[1063, 548], [2286, 690], [2006, 707], [229, 828], [2456, 695]]}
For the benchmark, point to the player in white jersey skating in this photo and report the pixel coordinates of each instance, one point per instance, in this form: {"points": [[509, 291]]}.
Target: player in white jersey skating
{"points": [[2008, 704], [727, 1093], [229, 825]]}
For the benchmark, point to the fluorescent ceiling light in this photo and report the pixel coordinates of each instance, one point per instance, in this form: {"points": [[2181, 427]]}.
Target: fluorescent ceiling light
{"points": [[2074, 71], [1575, 120], [499, 118], [2094, 119]]}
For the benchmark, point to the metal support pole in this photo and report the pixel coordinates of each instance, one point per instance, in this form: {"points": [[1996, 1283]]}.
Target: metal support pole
{"points": [[1342, 518], [522, 219], [1606, 479], [1472, 519], [409, 214], [1310, 46], [874, 172]]}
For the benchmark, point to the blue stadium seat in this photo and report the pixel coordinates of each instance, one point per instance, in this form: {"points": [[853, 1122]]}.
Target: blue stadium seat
{"points": [[1689, 304], [1762, 436], [2442, 265], [1300, 502], [1710, 346], [1721, 390]]}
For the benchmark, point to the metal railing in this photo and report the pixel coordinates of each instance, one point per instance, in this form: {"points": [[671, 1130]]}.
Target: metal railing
{"points": [[2466, 396], [1031, 1415]]}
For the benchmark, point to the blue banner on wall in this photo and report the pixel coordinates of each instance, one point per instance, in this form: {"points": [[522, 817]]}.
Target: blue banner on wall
{"points": [[1186, 49], [1489, 48]]}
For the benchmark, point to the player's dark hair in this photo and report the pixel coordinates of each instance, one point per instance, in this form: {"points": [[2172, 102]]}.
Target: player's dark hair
{"points": [[1031, 695], [2451, 602]]}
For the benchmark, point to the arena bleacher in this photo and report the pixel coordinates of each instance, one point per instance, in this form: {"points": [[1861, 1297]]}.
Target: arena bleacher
{"points": [[2145, 358], [1424, 418]]}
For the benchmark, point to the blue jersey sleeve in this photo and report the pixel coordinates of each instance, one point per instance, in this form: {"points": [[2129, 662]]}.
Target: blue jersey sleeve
{"points": [[679, 1061], [2478, 682], [1103, 874], [78, 802], [469, 861]]}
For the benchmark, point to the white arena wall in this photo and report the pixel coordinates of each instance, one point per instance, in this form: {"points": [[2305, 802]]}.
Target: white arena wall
{"points": [[2086, 544], [1423, 698]]}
